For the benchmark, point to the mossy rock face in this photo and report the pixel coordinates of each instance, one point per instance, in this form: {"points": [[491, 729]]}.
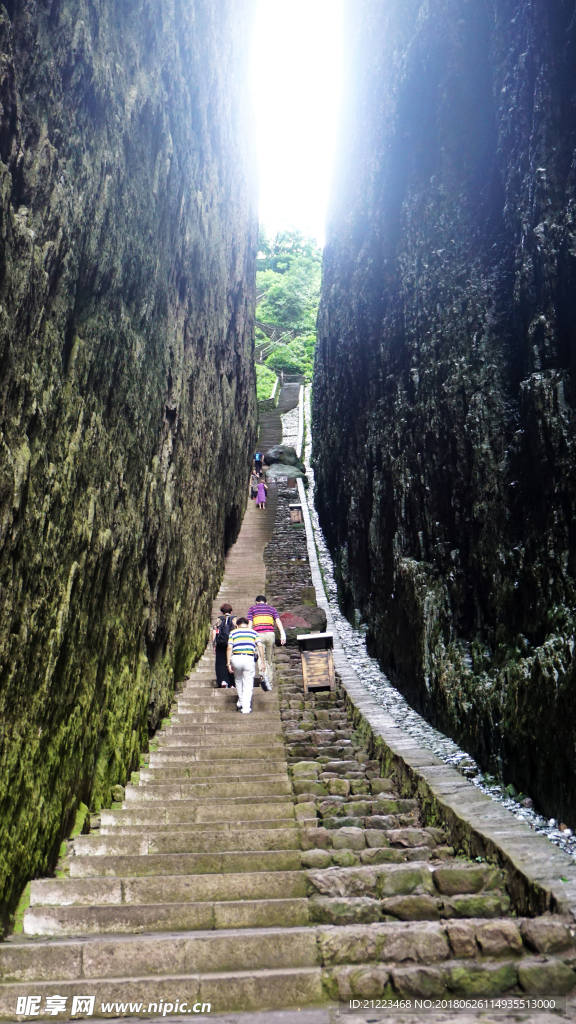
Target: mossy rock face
{"points": [[127, 385], [444, 398]]}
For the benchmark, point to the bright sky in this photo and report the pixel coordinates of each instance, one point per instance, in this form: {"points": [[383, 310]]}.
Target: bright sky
{"points": [[296, 74]]}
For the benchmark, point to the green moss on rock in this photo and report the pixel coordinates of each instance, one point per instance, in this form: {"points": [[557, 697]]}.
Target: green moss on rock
{"points": [[444, 406], [127, 390]]}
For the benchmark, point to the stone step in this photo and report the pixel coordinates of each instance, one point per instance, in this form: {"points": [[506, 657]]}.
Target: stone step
{"points": [[194, 811], [95, 845], [187, 790], [229, 719], [238, 726], [86, 892], [211, 715], [162, 828], [217, 743], [238, 772], [259, 990], [160, 864], [192, 754], [158, 954], [174, 917]]}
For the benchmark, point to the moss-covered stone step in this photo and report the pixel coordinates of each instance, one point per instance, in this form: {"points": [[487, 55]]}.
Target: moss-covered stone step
{"points": [[243, 809], [62, 892], [158, 954], [341, 910], [251, 743], [239, 727], [143, 826], [186, 790], [204, 863], [419, 878], [229, 774], [259, 990], [187, 842], [451, 980], [209, 716], [422, 944], [172, 917], [185, 753]]}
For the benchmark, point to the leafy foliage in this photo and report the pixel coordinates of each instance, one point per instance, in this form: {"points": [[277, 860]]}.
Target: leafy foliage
{"points": [[265, 380], [295, 356], [288, 284]]}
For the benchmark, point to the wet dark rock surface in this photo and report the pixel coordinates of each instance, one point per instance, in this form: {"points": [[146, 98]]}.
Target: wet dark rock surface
{"points": [[444, 405], [126, 385]]}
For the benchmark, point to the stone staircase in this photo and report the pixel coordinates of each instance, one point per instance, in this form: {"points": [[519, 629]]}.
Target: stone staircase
{"points": [[255, 867], [263, 862], [193, 889]]}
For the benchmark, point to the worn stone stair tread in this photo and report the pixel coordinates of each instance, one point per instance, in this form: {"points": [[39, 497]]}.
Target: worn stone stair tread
{"points": [[151, 955], [167, 828], [209, 753], [210, 800], [160, 864], [252, 990], [87, 892], [205, 746], [187, 842], [186, 789], [135, 918], [191, 773]]}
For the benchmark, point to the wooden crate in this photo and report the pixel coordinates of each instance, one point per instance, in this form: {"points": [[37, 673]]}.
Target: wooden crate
{"points": [[317, 660]]}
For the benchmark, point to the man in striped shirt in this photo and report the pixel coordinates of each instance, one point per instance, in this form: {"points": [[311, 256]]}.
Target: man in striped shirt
{"points": [[263, 617], [243, 644]]}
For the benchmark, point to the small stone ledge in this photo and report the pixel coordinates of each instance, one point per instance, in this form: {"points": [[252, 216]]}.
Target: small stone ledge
{"points": [[539, 876]]}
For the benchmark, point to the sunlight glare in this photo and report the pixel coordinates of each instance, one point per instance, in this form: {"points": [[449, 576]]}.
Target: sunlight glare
{"points": [[296, 79]]}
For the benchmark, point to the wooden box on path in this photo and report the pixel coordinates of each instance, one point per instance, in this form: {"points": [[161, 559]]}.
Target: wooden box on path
{"points": [[317, 660], [296, 514]]}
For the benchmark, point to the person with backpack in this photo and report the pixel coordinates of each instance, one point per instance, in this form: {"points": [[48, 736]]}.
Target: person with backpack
{"points": [[220, 639]]}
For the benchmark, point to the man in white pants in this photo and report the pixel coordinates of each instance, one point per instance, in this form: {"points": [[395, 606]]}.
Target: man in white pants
{"points": [[242, 646]]}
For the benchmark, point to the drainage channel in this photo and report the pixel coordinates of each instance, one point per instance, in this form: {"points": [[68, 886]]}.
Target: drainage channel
{"points": [[353, 642]]}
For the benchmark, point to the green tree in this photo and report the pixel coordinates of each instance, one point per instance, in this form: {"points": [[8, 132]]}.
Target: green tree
{"points": [[288, 283]]}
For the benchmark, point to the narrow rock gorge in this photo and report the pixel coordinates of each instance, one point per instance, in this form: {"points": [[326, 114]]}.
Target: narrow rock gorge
{"points": [[444, 393], [127, 394]]}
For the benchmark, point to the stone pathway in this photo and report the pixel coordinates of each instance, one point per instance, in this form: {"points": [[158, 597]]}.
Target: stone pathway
{"points": [[264, 866]]}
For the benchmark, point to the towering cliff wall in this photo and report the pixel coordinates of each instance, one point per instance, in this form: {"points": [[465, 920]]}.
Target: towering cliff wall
{"points": [[127, 395], [444, 396]]}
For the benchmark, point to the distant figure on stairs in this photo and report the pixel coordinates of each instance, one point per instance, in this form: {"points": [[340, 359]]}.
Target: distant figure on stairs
{"points": [[220, 637], [261, 494], [258, 463], [263, 618], [243, 646]]}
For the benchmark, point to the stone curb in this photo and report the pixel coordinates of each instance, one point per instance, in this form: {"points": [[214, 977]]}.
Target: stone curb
{"points": [[540, 877]]}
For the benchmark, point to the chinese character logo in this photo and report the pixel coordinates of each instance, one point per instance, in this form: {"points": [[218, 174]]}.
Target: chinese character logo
{"points": [[55, 1005], [29, 1006], [83, 1004]]}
